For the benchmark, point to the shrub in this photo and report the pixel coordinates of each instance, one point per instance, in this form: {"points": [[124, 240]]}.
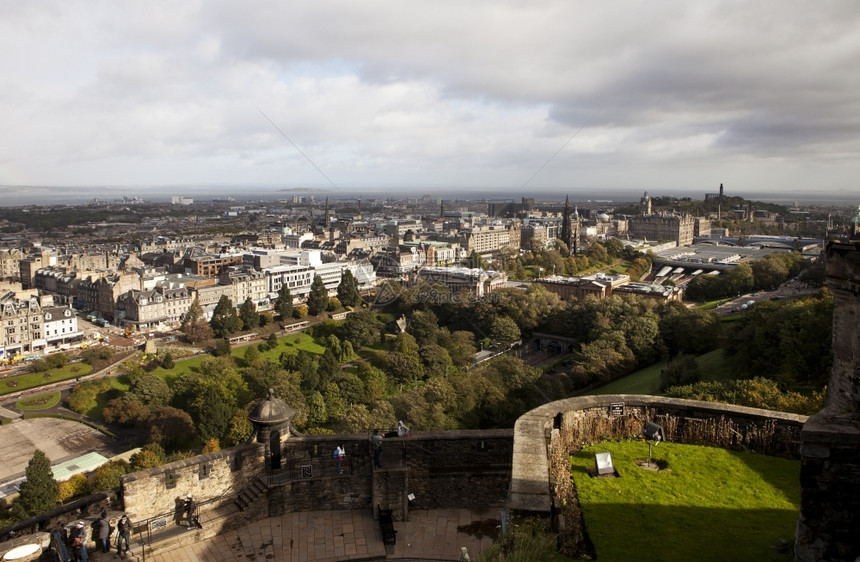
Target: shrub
{"points": [[300, 311], [222, 348], [150, 456], [84, 395], [211, 446], [167, 361], [107, 476], [74, 487]]}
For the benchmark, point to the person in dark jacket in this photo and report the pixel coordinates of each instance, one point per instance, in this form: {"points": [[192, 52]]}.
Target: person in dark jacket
{"points": [[123, 535], [104, 532], [188, 508], [78, 537]]}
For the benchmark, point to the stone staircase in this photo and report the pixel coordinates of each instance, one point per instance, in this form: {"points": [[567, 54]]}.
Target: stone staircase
{"points": [[212, 522], [250, 493]]}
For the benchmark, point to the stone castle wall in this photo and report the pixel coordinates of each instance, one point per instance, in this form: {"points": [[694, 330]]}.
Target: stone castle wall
{"points": [[440, 469], [155, 491], [555, 429], [830, 463]]}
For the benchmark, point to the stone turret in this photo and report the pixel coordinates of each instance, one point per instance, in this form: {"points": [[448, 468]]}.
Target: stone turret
{"points": [[271, 419]]}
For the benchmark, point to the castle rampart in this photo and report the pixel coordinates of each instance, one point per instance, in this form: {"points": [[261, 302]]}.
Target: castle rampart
{"points": [[560, 427]]}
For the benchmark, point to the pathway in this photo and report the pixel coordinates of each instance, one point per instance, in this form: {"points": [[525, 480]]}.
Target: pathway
{"points": [[435, 534]]}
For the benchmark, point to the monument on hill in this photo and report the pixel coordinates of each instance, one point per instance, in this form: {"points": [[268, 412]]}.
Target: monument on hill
{"points": [[830, 450]]}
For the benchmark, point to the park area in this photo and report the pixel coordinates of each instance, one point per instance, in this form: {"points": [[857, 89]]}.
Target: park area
{"points": [[705, 504]]}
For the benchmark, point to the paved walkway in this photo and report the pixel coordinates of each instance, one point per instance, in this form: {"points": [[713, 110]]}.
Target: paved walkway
{"points": [[345, 535]]}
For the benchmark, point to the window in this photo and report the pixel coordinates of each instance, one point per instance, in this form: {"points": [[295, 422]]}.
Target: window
{"points": [[205, 471], [170, 481]]}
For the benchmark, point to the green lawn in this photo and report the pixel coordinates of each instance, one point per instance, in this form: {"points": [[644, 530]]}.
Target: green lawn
{"points": [[33, 380], [647, 380], [39, 402], [643, 381], [290, 343], [709, 504]]}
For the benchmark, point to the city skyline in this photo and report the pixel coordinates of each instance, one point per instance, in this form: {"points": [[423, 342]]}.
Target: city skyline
{"points": [[498, 98]]}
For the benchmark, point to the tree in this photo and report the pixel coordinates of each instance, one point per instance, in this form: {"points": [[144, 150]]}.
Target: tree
{"points": [[682, 370], [194, 324], [124, 411], [212, 414], [404, 367], [167, 361], [334, 404], [76, 486], [328, 368], [84, 396], [107, 476], [239, 429], [171, 428], [424, 327], [347, 292], [251, 355], [248, 314], [317, 414], [460, 345], [225, 321], [769, 272], [39, 491], [149, 391], [318, 297], [436, 360], [359, 328], [222, 348], [597, 253], [151, 455], [614, 247], [504, 330], [284, 303]]}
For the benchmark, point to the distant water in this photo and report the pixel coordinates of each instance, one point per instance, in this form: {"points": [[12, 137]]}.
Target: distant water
{"points": [[47, 195]]}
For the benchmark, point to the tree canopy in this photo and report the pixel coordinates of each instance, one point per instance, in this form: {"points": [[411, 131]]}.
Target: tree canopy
{"points": [[225, 320], [284, 303], [318, 297], [347, 290], [194, 324], [38, 492]]}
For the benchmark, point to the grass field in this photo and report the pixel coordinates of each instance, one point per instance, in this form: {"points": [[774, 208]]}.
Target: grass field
{"points": [[33, 380], [39, 402], [709, 504], [291, 343], [713, 366]]}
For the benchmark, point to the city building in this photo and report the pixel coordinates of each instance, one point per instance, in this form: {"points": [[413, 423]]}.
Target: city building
{"points": [[476, 281]]}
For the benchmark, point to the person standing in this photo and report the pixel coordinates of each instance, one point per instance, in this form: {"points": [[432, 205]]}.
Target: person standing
{"points": [[123, 535], [376, 445], [464, 555], [338, 455], [104, 532], [402, 430], [78, 537], [188, 508]]}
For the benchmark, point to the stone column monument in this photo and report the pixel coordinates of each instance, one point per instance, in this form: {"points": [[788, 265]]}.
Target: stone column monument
{"points": [[830, 453]]}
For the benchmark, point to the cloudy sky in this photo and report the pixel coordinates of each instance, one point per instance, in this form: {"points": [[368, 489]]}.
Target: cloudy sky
{"points": [[504, 96]]}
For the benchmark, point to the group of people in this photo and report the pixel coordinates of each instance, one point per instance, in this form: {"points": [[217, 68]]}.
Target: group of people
{"points": [[339, 453], [376, 440], [102, 529]]}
